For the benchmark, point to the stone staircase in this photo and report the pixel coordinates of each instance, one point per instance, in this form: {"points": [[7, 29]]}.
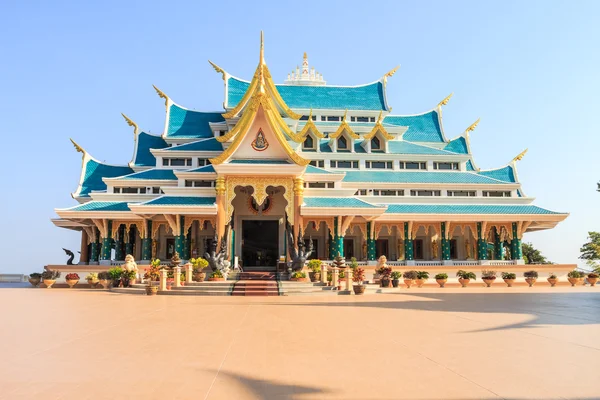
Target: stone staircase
{"points": [[258, 283]]}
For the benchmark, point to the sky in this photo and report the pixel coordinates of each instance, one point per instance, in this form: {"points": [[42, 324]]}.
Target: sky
{"points": [[529, 70]]}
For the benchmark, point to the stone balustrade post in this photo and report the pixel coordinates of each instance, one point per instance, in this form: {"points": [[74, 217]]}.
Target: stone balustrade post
{"points": [[189, 270], [177, 276], [162, 286], [324, 273], [349, 279], [334, 274]]}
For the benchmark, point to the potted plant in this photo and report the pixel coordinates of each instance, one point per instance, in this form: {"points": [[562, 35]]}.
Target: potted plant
{"points": [[422, 277], [385, 273], [358, 277], [530, 277], [552, 279], [592, 278], [341, 277], [115, 275], [441, 279], [509, 278], [396, 275], [216, 276], [329, 278], [103, 278], [35, 279], [573, 277], [353, 262], [151, 289], [315, 270], [488, 277], [298, 276], [152, 272], [128, 278], [72, 279], [198, 274], [92, 279], [49, 277], [409, 278], [465, 277]]}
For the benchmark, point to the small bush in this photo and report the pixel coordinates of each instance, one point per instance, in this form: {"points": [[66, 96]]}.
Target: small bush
{"points": [[441, 276], [115, 273], [509, 275], [410, 275], [91, 276], [35, 275], [396, 275], [72, 277], [359, 275], [593, 275], [298, 275], [314, 265], [52, 275], [530, 274], [466, 275], [488, 274], [422, 275], [103, 276], [552, 275], [574, 274], [216, 274]]}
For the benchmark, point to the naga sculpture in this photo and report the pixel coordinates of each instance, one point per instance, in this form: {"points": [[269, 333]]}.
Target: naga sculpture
{"points": [[299, 253], [71, 256], [217, 260]]}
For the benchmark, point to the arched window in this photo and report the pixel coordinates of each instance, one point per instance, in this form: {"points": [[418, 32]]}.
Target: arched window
{"points": [[375, 143], [309, 143], [342, 143]]}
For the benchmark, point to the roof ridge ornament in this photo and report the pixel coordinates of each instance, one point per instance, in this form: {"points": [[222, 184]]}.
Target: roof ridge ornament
{"points": [[77, 147], [446, 100], [389, 74], [472, 127], [161, 94], [216, 68], [520, 156], [130, 122], [262, 48]]}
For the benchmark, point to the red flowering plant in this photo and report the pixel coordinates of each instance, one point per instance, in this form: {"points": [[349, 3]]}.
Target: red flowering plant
{"points": [[152, 272], [358, 276], [72, 277], [385, 272]]}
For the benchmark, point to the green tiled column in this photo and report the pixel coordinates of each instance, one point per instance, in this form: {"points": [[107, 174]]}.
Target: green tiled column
{"points": [[409, 251], [498, 246], [120, 244], [481, 244], [516, 249], [129, 243], [371, 252], [180, 238], [106, 243], [147, 242], [95, 247], [445, 243], [187, 248], [332, 252], [337, 244]]}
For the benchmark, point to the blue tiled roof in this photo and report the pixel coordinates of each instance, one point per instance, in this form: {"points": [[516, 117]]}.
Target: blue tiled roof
{"points": [[259, 161], [505, 174], [324, 146], [190, 124], [310, 169], [206, 168], [366, 97], [181, 201], [93, 173], [162, 174], [465, 209], [417, 177], [470, 166], [145, 142], [102, 206], [458, 145], [211, 144], [404, 147], [351, 202], [421, 128]]}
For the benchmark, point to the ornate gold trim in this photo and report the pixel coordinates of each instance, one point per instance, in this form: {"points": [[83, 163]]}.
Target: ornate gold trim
{"points": [[472, 127], [520, 156], [310, 126], [136, 128], [217, 68], [378, 128], [161, 94], [446, 100], [344, 127], [78, 147]]}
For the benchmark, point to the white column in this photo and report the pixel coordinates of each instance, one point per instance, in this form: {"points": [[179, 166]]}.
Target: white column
{"points": [[348, 279], [162, 286], [177, 276], [189, 270]]}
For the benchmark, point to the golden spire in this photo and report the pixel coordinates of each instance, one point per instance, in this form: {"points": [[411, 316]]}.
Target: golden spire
{"points": [[520, 156], [389, 74], [472, 127], [446, 100], [77, 147], [131, 123], [380, 118], [345, 115], [262, 48], [217, 68], [310, 115], [161, 94], [378, 127], [305, 56]]}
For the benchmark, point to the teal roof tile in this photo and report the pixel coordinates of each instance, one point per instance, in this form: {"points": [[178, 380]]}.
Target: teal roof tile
{"points": [[324, 146], [458, 145], [210, 144], [365, 97], [109, 206], [421, 128], [206, 168], [190, 124], [310, 169], [339, 202], [181, 201], [417, 177], [466, 209], [143, 157], [259, 161], [470, 166], [93, 173], [404, 147], [506, 174], [162, 174]]}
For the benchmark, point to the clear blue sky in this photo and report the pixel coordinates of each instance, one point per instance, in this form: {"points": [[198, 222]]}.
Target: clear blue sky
{"points": [[68, 69]]}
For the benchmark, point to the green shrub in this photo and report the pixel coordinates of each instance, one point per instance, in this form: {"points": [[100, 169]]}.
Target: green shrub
{"points": [[115, 273], [298, 275], [52, 275], [466, 275], [422, 275], [530, 274], [410, 275], [509, 275], [396, 275], [314, 265], [35, 275], [441, 276], [575, 274]]}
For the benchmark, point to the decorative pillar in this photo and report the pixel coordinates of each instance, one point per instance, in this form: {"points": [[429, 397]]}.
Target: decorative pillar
{"points": [[298, 200], [324, 273], [445, 243], [221, 190], [177, 276], [409, 251], [162, 286], [147, 242], [189, 271], [95, 245], [187, 249], [371, 252], [106, 242], [332, 246], [334, 276], [516, 248], [84, 253], [349, 278], [180, 238], [481, 243], [128, 241], [498, 245], [120, 244]]}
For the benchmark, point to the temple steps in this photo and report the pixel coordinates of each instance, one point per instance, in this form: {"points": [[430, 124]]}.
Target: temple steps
{"points": [[256, 288]]}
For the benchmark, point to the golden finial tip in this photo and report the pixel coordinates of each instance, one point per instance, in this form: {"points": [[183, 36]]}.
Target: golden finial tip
{"points": [[446, 100], [262, 47], [520, 156], [472, 127], [305, 56], [77, 147], [391, 72], [379, 119], [345, 114]]}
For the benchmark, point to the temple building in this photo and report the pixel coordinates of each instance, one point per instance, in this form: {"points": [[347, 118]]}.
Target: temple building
{"points": [[332, 161]]}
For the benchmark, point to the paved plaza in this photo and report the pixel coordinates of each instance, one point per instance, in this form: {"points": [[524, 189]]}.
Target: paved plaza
{"points": [[429, 343]]}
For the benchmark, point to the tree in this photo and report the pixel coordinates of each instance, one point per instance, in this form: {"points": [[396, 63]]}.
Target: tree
{"points": [[532, 255], [590, 251]]}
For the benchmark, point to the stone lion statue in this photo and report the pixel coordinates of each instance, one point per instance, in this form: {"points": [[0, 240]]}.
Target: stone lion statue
{"points": [[130, 264], [381, 262]]}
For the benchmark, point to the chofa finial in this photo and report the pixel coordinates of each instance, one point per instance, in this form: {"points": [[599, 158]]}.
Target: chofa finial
{"points": [[77, 147], [472, 127], [131, 123], [161, 94], [520, 156], [217, 68], [446, 100]]}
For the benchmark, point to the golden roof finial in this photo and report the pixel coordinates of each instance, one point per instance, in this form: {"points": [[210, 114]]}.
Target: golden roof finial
{"points": [[472, 127], [77, 147], [131, 123], [161, 94], [262, 48], [305, 56], [391, 72], [310, 115], [379, 119], [345, 115], [446, 100], [217, 68], [520, 156]]}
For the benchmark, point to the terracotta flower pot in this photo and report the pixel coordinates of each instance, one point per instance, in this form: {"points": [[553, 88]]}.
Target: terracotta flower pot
{"points": [[573, 281], [441, 282], [151, 290], [92, 283], [72, 282], [104, 283], [359, 289], [592, 281], [49, 282], [488, 282], [582, 281], [552, 281], [199, 276], [509, 282], [385, 282], [464, 282], [34, 281], [420, 282], [409, 283], [530, 281], [314, 276], [216, 279]]}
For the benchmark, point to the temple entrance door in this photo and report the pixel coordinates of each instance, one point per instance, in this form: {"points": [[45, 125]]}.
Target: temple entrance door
{"points": [[260, 243]]}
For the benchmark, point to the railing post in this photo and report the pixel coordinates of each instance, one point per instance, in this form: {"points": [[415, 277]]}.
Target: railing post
{"points": [[324, 273], [189, 270], [162, 286], [349, 278], [177, 276]]}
